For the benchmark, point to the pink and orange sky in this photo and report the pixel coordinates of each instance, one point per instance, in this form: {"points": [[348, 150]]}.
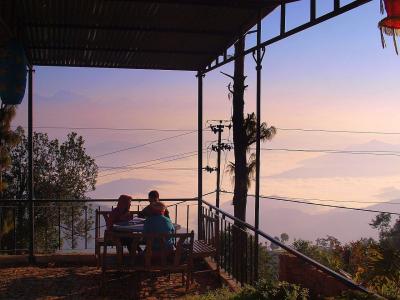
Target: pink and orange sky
{"points": [[334, 76]]}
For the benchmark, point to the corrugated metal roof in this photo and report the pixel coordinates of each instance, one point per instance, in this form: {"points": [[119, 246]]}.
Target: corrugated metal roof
{"points": [[174, 35]]}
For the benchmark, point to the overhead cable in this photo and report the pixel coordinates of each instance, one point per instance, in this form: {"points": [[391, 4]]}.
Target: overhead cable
{"points": [[145, 144], [319, 204], [142, 167]]}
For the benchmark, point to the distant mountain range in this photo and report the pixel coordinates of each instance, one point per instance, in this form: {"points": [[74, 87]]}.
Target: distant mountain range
{"points": [[346, 225], [131, 186]]}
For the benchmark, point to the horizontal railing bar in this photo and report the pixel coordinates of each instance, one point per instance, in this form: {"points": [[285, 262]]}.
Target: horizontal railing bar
{"points": [[94, 200], [291, 250], [12, 250]]}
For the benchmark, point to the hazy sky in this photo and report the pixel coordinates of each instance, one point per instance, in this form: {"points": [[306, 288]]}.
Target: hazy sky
{"points": [[334, 76]]}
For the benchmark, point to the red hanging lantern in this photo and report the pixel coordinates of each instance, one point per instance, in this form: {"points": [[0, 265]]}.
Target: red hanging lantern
{"points": [[391, 24]]}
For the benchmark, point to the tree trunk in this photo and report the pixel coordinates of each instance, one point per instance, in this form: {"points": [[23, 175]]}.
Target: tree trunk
{"points": [[239, 135]]}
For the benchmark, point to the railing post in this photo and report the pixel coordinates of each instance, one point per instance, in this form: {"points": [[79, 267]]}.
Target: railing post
{"points": [[199, 151], [176, 214], [72, 227], [1, 221], [187, 218], [15, 229], [86, 227], [59, 227], [30, 167], [46, 246]]}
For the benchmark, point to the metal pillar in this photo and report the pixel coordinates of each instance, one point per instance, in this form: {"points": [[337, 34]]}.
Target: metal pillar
{"points": [[258, 58], [199, 152], [30, 167]]}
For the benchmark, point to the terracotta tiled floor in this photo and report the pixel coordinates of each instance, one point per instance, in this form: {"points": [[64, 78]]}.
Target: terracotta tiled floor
{"points": [[84, 283]]}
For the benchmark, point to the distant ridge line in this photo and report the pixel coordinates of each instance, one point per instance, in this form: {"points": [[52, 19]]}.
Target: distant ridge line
{"points": [[319, 204]]}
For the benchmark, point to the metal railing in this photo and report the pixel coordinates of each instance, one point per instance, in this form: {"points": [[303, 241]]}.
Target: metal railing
{"points": [[65, 224], [69, 224], [237, 250]]}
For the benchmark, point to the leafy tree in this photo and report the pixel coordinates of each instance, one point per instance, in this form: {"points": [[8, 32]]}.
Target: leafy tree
{"points": [[384, 265], [61, 171], [374, 264], [327, 251], [8, 139], [382, 223], [284, 237]]}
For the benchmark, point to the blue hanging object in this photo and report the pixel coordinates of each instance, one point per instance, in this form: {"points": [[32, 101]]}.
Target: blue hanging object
{"points": [[12, 73]]}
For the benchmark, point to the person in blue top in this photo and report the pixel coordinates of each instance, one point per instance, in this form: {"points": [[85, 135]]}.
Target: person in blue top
{"points": [[157, 222]]}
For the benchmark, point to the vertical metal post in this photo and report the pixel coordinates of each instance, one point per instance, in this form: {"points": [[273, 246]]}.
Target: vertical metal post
{"points": [[59, 227], [258, 112], [176, 214], [86, 227], [72, 228], [313, 10], [30, 167], [187, 218], [217, 194], [1, 221], [44, 209], [15, 229], [283, 18], [199, 150], [336, 4]]}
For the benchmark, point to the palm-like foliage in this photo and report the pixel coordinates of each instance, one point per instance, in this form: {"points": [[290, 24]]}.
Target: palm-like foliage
{"points": [[250, 127]]}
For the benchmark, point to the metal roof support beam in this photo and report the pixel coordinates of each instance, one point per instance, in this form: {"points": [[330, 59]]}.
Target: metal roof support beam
{"points": [[200, 76], [313, 10], [283, 18], [249, 4], [336, 12], [128, 28], [30, 168], [336, 4]]}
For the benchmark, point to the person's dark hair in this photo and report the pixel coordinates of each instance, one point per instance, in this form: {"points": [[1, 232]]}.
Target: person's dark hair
{"points": [[154, 194]]}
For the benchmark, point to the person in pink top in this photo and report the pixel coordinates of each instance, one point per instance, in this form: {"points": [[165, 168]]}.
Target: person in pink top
{"points": [[121, 212]]}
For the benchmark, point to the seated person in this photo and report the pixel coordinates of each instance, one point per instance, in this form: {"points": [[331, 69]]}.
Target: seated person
{"points": [[157, 222], [154, 196], [121, 212]]}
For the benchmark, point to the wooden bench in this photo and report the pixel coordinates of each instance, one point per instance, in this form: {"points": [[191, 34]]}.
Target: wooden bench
{"points": [[209, 245], [178, 259], [99, 240]]}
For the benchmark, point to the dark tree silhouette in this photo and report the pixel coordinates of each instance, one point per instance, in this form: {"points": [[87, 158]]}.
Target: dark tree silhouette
{"points": [[244, 135]]}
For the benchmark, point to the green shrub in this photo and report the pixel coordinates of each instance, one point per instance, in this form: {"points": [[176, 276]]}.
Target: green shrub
{"points": [[268, 290], [220, 294], [355, 295], [263, 290]]}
